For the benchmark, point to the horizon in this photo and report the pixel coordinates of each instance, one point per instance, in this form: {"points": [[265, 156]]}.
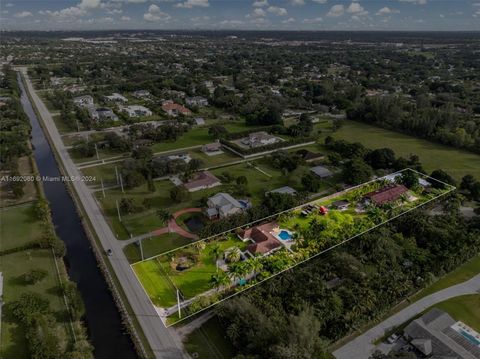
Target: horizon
{"points": [[259, 15]]}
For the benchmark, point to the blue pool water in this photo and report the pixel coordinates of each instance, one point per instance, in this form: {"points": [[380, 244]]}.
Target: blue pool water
{"points": [[284, 235], [471, 338]]}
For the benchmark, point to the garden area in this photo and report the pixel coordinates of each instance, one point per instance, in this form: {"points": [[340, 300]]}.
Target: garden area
{"points": [[313, 229]]}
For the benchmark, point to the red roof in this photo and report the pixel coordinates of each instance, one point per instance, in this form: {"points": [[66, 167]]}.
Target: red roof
{"points": [[264, 241], [172, 106], [387, 194]]}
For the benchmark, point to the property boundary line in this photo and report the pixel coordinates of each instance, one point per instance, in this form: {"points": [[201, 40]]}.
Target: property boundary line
{"points": [[450, 189]]}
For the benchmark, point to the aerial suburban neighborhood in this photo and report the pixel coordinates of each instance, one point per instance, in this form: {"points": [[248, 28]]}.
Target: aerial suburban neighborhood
{"points": [[230, 180]]}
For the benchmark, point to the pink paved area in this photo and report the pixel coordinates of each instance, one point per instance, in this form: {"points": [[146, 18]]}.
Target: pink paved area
{"points": [[174, 227]]}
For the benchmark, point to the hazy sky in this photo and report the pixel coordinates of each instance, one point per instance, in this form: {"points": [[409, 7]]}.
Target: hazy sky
{"points": [[240, 14]]}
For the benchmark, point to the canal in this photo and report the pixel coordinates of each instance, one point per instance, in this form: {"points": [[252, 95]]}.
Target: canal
{"points": [[104, 324]]}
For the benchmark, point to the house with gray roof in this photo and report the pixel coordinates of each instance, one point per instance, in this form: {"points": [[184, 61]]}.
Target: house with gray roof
{"points": [[437, 335], [223, 205], [321, 171], [283, 190]]}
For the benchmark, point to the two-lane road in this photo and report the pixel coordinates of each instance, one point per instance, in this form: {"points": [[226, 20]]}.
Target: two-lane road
{"points": [[164, 342]]}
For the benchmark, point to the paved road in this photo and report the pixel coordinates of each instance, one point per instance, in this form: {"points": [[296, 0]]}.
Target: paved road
{"points": [[164, 342], [361, 347]]}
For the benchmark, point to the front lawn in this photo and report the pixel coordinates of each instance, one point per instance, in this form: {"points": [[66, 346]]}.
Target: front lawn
{"points": [[465, 308]]}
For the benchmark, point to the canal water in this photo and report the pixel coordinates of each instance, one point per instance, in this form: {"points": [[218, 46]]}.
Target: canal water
{"points": [[105, 329]]}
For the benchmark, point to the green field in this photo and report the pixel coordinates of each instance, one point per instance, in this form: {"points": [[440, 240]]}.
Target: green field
{"points": [[18, 227], [193, 281], [154, 246], [465, 308], [433, 156], [209, 342]]}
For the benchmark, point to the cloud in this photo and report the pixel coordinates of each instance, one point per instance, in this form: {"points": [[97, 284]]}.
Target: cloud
{"points": [[231, 23], [336, 11], [107, 19], [356, 9], [9, 4], [23, 14], [312, 21], [260, 3], [89, 4], [297, 2], [258, 12], [69, 12], [416, 2], [279, 11], [154, 14], [320, 1], [114, 11], [288, 21], [386, 10], [193, 3], [125, 18]]}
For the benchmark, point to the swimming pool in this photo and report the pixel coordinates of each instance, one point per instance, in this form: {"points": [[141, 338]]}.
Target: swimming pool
{"points": [[470, 338], [284, 235]]}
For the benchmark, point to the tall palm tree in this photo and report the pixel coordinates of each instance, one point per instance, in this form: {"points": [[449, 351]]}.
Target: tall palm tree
{"points": [[219, 280], [234, 255], [163, 215], [216, 252]]}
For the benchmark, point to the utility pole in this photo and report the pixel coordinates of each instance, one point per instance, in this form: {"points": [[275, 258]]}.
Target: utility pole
{"points": [[78, 126], [116, 175], [141, 248], [96, 151], [103, 188], [121, 183], [178, 303], [118, 211]]}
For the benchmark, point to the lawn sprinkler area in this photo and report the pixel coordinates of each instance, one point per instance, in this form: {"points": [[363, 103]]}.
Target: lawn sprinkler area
{"points": [[187, 280]]}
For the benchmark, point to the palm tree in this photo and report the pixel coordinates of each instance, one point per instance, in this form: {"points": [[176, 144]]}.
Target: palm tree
{"points": [[237, 270], [218, 280], [234, 255], [215, 252], [199, 246], [163, 215]]}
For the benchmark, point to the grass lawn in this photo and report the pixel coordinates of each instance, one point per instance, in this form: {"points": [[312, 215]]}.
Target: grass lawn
{"points": [[155, 246], [459, 275], [18, 226], [433, 156], [195, 137], [30, 190], [209, 342], [465, 308], [104, 172]]}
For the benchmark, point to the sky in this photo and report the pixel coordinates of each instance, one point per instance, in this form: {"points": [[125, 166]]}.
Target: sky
{"points": [[434, 15]]}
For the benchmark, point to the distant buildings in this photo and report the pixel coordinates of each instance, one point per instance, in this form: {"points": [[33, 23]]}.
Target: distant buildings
{"points": [[141, 93], [116, 97], [212, 148], [136, 111], [284, 190], [223, 205], [101, 114], [83, 101], [175, 109], [199, 121], [196, 101], [258, 139], [321, 171], [309, 156], [202, 180]]}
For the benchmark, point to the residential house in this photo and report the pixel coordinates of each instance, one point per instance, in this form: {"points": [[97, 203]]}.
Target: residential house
{"points": [[202, 180], [437, 335], [263, 241], [136, 111], [56, 81], [386, 194], [223, 205], [102, 113], [283, 190], [309, 156], [199, 121], [321, 171], [83, 101], [196, 101], [116, 97], [257, 139], [141, 94], [212, 148], [174, 109]]}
